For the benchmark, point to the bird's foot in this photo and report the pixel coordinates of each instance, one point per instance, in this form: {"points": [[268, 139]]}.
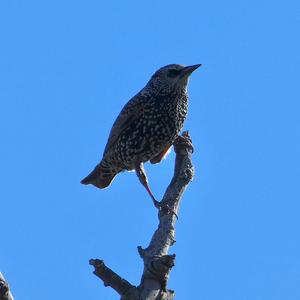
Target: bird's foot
{"points": [[164, 208], [184, 142]]}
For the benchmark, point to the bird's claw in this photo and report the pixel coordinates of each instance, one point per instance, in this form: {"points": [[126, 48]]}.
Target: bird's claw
{"points": [[184, 141]]}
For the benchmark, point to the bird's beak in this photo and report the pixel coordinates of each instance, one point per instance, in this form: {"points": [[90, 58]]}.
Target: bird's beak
{"points": [[187, 71]]}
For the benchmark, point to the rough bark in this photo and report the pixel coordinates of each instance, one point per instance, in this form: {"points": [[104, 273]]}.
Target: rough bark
{"points": [[5, 293], [157, 262]]}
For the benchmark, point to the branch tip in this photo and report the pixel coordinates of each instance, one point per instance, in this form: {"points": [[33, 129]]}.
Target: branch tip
{"points": [[110, 278]]}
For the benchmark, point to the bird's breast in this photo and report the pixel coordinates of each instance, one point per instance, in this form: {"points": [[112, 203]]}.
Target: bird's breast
{"points": [[151, 133]]}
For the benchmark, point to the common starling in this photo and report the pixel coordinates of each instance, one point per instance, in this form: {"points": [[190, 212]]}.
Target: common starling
{"points": [[146, 127]]}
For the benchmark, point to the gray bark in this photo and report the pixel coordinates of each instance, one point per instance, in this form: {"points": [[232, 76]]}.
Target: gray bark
{"points": [[157, 262], [5, 293]]}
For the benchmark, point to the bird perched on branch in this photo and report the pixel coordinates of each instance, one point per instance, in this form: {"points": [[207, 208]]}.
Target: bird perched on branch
{"points": [[146, 127]]}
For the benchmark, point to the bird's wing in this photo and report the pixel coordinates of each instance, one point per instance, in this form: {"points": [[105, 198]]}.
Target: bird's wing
{"points": [[130, 112]]}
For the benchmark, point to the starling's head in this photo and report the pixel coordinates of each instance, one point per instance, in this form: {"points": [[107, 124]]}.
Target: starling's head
{"points": [[173, 76]]}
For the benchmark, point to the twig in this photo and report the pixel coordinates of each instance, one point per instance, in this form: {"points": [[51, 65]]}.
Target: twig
{"points": [[110, 278], [5, 293]]}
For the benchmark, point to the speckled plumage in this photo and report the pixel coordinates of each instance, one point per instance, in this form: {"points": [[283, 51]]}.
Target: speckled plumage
{"points": [[147, 125]]}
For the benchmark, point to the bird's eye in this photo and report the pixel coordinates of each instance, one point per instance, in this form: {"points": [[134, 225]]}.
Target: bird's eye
{"points": [[173, 73]]}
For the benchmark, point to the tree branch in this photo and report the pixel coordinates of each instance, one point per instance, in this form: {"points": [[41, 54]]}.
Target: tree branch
{"points": [[112, 279], [5, 293], [157, 262]]}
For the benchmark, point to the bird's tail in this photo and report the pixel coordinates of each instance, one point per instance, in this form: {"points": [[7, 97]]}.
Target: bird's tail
{"points": [[101, 176]]}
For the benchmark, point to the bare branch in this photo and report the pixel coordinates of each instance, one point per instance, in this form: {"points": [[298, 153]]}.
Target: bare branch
{"points": [[157, 261], [110, 278], [5, 293]]}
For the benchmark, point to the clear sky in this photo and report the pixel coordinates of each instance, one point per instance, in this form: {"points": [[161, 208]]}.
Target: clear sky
{"points": [[66, 70]]}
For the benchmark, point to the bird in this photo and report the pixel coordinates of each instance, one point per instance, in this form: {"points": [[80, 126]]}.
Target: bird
{"points": [[146, 127]]}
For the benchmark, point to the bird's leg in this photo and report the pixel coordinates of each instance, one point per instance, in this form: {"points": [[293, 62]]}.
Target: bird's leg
{"points": [[141, 174], [140, 171]]}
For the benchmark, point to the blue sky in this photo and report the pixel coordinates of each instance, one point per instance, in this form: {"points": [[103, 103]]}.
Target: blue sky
{"points": [[66, 70]]}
